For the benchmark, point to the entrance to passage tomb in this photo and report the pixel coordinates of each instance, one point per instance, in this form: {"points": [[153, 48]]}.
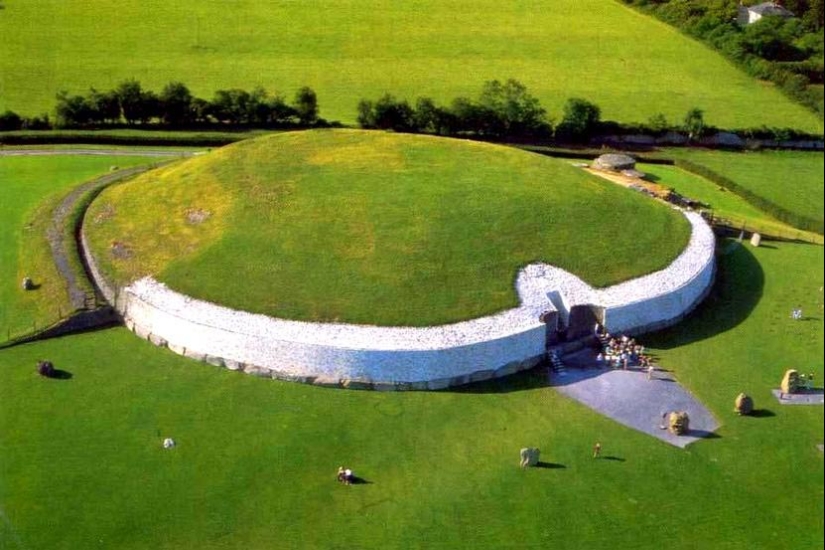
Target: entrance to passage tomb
{"points": [[583, 319], [551, 326]]}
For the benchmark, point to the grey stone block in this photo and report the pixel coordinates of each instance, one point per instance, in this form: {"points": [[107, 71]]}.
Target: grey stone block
{"points": [[197, 356], [357, 384], [231, 364], [508, 369], [327, 382], [180, 350], [214, 360], [158, 340], [481, 375], [438, 384]]}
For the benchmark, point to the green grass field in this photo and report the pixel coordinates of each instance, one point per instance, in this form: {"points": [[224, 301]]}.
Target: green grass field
{"points": [[375, 228], [30, 186], [792, 180], [81, 463], [723, 203], [629, 64]]}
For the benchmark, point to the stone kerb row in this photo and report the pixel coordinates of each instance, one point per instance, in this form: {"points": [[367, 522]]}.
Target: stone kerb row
{"points": [[407, 358]]}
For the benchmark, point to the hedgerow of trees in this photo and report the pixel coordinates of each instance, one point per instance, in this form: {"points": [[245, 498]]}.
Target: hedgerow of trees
{"points": [[502, 110], [175, 107], [788, 52]]}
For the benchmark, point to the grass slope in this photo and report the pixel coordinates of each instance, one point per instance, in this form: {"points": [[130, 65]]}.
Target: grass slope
{"points": [[724, 204], [790, 179], [256, 459], [370, 227], [629, 64], [30, 187]]}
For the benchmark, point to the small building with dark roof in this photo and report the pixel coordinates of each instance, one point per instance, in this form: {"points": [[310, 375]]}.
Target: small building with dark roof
{"points": [[752, 14]]}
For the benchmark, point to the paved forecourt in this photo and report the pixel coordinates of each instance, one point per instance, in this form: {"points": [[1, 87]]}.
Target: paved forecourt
{"points": [[436, 357]]}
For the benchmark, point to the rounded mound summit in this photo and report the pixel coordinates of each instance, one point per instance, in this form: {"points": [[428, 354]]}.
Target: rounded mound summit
{"points": [[373, 228]]}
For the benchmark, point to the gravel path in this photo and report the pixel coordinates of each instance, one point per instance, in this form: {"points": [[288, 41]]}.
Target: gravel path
{"points": [[629, 398], [62, 250]]}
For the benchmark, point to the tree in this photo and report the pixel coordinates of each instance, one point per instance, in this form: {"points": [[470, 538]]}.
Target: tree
{"points": [[391, 114], [280, 113], [10, 120], [130, 96], [366, 114], [466, 116], [230, 106], [694, 124], [104, 107], [72, 110], [176, 104], [581, 118], [306, 106], [509, 109], [427, 117], [658, 123]]}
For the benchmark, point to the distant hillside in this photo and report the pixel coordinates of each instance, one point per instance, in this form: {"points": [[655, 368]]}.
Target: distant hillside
{"points": [[631, 65]]}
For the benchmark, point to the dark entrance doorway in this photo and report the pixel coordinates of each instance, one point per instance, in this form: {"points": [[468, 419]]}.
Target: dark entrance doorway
{"points": [[583, 319]]}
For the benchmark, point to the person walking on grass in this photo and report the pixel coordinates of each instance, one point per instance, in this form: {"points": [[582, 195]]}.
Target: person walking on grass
{"points": [[597, 450]]}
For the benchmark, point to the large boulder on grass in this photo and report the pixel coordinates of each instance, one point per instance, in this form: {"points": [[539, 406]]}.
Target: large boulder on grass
{"points": [[790, 382], [678, 423], [529, 457], [743, 404], [45, 368]]}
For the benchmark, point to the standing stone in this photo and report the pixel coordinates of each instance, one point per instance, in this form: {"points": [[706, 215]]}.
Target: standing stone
{"points": [[790, 382], [529, 457], [679, 423], [28, 284], [756, 239], [743, 404]]}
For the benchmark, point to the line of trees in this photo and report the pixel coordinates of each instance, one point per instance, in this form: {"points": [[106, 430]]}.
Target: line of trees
{"points": [[501, 110], [175, 107], [508, 111], [788, 52]]}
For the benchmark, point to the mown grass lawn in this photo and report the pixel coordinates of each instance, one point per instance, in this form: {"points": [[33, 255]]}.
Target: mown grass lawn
{"points": [[28, 184], [791, 179], [376, 228], [81, 463], [724, 204], [629, 64]]}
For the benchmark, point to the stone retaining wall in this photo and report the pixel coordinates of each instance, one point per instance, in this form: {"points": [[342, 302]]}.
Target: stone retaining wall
{"points": [[357, 356]]}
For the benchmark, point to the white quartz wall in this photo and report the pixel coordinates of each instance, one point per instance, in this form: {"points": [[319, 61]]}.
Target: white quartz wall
{"points": [[430, 357]]}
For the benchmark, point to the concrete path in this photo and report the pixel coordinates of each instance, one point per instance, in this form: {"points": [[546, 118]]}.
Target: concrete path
{"points": [[813, 396], [629, 398]]}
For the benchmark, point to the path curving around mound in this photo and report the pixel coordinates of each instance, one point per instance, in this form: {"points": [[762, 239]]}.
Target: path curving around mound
{"points": [[334, 354]]}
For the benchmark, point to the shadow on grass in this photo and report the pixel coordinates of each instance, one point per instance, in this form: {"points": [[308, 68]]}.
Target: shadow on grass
{"points": [[761, 413], [549, 465], [525, 380], [704, 434], [360, 481], [613, 458], [738, 288], [59, 374]]}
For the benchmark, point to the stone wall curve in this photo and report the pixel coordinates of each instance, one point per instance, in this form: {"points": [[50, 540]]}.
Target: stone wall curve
{"points": [[359, 356]]}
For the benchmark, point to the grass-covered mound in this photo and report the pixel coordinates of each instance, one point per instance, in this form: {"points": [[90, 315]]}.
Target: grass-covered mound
{"points": [[369, 227]]}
